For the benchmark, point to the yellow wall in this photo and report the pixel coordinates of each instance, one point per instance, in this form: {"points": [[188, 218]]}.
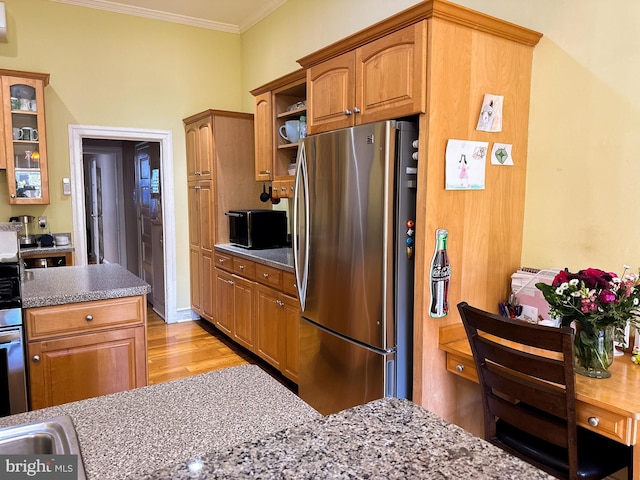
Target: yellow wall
{"points": [[583, 163], [117, 70]]}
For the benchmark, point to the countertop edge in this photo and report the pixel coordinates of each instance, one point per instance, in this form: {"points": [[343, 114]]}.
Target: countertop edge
{"points": [[281, 258]]}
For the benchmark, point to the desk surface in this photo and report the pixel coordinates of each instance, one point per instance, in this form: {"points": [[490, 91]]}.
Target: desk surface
{"points": [[618, 395]]}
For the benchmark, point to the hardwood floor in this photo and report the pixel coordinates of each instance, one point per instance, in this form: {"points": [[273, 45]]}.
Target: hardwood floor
{"points": [[184, 349]]}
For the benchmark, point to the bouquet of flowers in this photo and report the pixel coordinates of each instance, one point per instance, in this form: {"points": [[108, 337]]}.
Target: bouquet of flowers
{"points": [[595, 301]]}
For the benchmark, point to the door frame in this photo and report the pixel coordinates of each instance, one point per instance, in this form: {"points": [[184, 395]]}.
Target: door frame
{"points": [[164, 137]]}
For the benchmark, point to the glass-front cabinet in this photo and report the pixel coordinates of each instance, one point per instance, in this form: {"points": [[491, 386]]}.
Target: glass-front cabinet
{"points": [[24, 153]]}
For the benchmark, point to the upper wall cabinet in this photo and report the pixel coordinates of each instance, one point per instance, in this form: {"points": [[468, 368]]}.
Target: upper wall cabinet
{"points": [[24, 150], [278, 102], [382, 79]]}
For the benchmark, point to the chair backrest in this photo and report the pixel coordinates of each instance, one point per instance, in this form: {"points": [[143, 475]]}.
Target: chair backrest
{"points": [[527, 378]]}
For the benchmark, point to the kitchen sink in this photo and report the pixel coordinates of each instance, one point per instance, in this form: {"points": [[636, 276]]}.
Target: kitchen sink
{"points": [[53, 436]]}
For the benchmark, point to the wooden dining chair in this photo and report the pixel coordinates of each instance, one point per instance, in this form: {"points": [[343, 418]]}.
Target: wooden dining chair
{"points": [[529, 401]]}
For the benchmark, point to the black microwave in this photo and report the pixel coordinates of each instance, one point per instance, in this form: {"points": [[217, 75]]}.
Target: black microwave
{"points": [[257, 228]]}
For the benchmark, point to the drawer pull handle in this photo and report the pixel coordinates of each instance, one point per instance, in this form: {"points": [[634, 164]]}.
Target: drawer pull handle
{"points": [[280, 303], [593, 421], [36, 358], [230, 282], [459, 367], [241, 267], [88, 318], [221, 260], [265, 275]]}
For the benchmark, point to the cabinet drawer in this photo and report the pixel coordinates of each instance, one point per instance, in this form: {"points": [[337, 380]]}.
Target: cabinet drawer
{"points": [[60, 320], [269, 276], [223, 261], [465, 367], [244, 268], [607, 423], [289, 284]]}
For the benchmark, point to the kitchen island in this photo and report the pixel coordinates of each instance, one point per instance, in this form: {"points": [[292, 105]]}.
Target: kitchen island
{"points": [[86, 330], [240, 422], [43, 287]]}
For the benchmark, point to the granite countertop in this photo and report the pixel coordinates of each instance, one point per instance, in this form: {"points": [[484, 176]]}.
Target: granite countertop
{"points": [[132, 433], [43, 287], [281, 258], [385, 439], [27, 252]]}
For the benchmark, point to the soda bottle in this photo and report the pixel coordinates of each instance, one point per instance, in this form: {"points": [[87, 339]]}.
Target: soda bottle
{"points": [[440, 274]]}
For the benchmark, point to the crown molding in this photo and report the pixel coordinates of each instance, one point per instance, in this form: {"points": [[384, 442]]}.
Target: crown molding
{"points": [[176, 18]]}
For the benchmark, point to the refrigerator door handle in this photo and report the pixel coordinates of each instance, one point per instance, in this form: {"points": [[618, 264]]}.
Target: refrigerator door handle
{"points": [[301, 257]]}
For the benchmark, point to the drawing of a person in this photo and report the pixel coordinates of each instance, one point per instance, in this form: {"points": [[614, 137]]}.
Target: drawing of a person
{"points": [[463, 169]]}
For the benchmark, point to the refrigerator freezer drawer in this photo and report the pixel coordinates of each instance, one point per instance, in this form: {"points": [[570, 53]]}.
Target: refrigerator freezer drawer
{"points": [[336, 373]]}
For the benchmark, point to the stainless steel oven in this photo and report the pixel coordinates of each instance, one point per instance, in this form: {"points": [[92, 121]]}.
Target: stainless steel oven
{"points": [[13, 382]]}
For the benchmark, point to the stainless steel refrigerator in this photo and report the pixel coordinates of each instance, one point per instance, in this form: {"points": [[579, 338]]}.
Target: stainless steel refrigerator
{"points": [[354, 207]]}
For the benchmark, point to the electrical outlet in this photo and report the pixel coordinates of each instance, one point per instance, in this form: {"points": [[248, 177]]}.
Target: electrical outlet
{"points": [[42, 221]]}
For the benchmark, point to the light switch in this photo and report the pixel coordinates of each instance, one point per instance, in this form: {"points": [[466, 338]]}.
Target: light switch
{"points": [[66, 186]]}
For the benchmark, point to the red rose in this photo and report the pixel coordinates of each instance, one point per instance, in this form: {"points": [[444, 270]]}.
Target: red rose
{"points": [[561, 277]]}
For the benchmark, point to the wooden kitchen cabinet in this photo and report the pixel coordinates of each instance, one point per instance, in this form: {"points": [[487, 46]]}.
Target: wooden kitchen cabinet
{"points": [[24, 137], [83, 350], [277, 330], [383, 79], [235, 303], [220, 157], [277, 102], [257, 308]]}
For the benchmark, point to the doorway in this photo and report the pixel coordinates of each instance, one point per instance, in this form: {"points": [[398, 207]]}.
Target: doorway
{"points": [[163, 139]]}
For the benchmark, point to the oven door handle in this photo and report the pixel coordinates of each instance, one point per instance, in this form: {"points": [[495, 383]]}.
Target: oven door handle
{"points": [[9, 337]]}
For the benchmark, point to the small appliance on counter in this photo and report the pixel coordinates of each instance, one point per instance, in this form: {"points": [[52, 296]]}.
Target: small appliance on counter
{"points": [[46, 241], [257, 228], [26, 236]]}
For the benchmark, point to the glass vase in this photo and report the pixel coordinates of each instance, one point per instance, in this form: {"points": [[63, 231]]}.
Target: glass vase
{"points": [[593, 350]]}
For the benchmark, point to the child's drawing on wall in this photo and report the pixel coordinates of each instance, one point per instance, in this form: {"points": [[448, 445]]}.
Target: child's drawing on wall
{"points": [[465, 164], [490, 119], [464, 174]]}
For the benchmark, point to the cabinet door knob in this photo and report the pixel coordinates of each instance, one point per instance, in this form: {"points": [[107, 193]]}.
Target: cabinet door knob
{"points": [[348, 112], [88, 318], [230, 282], [356, 110], [459, 367], [13, 195], [36, 358], [265, 172], [593, 421], [280, 303], [241, 267], [265, 275], [221, 260]]}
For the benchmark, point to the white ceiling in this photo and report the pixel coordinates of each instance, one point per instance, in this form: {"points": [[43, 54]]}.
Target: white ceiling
{"points": [[233, 16]]}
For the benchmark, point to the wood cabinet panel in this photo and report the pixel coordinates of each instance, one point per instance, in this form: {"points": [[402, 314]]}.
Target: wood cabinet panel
{"points": [[245, 268], [331, 93], [289, 284], [207, 299], [269, 276], [223, 261], [381, 80], [225, 306], [263, 132], [291, 360], [75, 318], [83, 366], [391, 75], [270, 327], [195, 279], [244, 299]]}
